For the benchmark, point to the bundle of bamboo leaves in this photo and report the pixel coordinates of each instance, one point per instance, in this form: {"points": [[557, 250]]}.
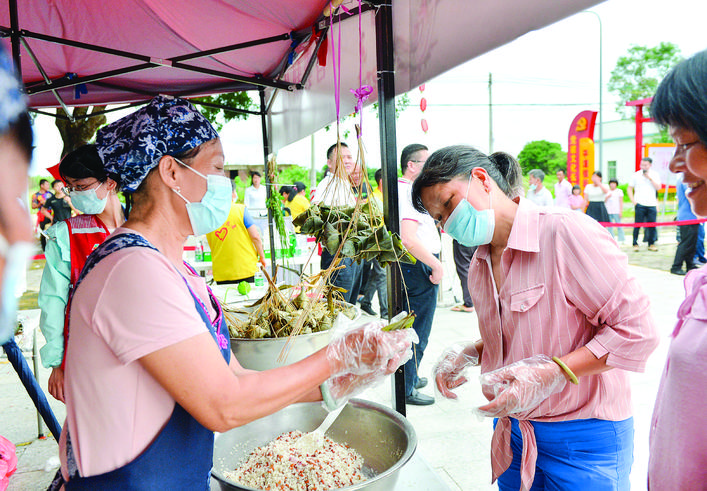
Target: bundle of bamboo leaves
{"points": [[362, 231], [277, 313]]}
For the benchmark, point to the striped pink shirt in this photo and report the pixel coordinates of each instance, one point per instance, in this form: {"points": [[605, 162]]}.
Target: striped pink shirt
{"points": [[566, 285]]}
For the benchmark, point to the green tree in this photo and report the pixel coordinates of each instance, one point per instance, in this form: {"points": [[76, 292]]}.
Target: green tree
{"points": [[638, 73], [544, 155], [219, 116]]}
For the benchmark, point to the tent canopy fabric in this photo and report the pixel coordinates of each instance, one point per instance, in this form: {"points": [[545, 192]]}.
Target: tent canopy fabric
{"points": [[83, 52]]}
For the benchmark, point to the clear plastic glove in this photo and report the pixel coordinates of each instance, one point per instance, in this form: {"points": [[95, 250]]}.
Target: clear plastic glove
{"points": [[366, 349], [450, 370], [521, 386], [337, 390]]}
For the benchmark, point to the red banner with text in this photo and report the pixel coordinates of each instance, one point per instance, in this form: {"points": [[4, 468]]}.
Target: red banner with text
{"points": [[580, 154]]}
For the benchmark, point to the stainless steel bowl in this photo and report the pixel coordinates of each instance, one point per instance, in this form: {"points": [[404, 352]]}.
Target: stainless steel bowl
{"points": [[262, 354], [384, 438]]}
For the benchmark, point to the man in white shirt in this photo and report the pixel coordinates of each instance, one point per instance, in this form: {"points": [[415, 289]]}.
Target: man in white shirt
{"points": [[563, 190], [537, 193], [255, 195], [334, 190], [643, 192], [421, 238]]}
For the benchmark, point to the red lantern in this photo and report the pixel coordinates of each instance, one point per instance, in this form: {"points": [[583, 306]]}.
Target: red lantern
{"points": [[424, 125], [423, 104], [422, 88]]}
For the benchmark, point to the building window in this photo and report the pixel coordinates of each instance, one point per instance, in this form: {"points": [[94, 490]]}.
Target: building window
{"points": [[612, 169]]}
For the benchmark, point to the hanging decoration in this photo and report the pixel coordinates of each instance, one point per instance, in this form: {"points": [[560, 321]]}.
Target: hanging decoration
{"points": [[423, 108]]}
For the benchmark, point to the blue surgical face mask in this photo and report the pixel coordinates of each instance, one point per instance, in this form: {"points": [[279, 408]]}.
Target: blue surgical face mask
{"points": [[16, 256], [532, 187], [212, 211], [88, 202], [470, 227]]}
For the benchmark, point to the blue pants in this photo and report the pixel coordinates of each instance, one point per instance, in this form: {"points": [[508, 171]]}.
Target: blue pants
{"points": [[422, 297], [616, 218], [348, 278], [375, 281], [646, 214], [581, 454], [700, 248]]}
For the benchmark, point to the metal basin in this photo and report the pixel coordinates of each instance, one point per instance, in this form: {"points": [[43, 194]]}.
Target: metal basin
{"points": [[262, 354], [384, 438]]}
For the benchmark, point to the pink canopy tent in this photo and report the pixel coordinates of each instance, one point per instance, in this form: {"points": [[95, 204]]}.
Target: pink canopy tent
{"points": [[85, 52]]}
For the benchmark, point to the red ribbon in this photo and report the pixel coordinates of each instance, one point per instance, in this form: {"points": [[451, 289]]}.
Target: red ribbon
{"points": [[694, 221]]}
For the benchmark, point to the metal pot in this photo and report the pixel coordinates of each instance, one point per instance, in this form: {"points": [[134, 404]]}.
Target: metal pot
{"points": [[262, 354], [384, 438]]}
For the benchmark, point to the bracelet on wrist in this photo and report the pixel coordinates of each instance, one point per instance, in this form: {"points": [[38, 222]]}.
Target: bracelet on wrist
{"points": [[570, 374]]}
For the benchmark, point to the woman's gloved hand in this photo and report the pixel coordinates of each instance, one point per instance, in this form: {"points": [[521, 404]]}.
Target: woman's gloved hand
{"points": [[369, 355], [451, 367], [521, 386], [368, 349]]}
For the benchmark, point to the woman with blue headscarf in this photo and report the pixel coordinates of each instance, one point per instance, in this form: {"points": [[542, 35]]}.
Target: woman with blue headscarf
{"points": [[149, 371]]}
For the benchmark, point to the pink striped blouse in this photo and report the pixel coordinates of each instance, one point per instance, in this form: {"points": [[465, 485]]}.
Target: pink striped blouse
{"points": [[566, 285]]}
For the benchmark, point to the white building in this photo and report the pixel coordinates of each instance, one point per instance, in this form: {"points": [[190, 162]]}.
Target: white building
{"points": [[619, 152]]}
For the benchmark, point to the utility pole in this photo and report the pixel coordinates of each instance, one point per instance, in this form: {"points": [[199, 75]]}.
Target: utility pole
{"points": [[490, 116], [601, 92]]}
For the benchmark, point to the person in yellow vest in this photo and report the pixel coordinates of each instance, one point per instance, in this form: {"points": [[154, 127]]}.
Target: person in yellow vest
{"points": [[297, 202], [236, 248], [378, 192]]}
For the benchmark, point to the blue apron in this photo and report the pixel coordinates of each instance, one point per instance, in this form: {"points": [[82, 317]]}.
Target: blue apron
{"points": [[180, 457]]}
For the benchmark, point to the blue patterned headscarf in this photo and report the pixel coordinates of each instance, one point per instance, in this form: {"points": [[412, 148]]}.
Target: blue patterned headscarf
{"points": [[132, 146], [12, 101]]}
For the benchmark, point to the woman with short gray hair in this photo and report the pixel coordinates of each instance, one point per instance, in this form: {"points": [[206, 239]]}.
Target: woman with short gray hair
{"points": [[555, 304]]}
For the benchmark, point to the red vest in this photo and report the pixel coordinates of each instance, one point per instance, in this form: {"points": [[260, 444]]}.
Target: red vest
{"points": [[86, 232]]}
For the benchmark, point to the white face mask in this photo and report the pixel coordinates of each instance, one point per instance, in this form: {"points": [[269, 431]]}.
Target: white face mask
{"points": [[16, 256], [212, 210], [88, 202]]}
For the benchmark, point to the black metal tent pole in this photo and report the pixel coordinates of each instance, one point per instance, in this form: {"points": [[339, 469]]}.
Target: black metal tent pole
{"points": [[268, 184], [386, 122]]}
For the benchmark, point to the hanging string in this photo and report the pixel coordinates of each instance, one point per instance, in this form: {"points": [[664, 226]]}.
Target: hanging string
{"points": [[336, 65]]}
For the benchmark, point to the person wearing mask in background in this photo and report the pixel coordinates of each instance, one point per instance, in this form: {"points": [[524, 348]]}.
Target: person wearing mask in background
{"points": [[69, 243], [643, 192], [547, 283], [338, 189], [577, 201], [421, 280], [537, 193], [685, 252], [236, 248], [595, 193], [58, 207], [150, 375], [16, 242], [678, 431], [615, 207], [255, 194], [563, 190]]}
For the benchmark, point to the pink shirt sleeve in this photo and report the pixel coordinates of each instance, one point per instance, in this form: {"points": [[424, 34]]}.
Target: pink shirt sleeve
{"points": [[598, 284]]}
